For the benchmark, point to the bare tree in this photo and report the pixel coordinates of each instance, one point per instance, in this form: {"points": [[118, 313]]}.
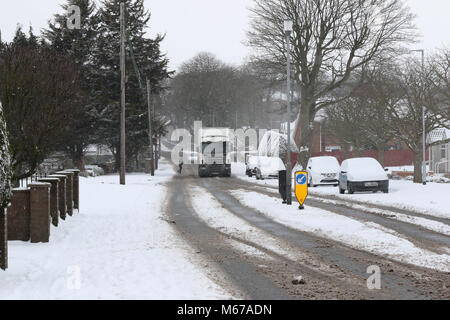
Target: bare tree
{"points": [[330, 40], [441, 65], [378, 92], [347, 121], [218, 94], [418, 90]]}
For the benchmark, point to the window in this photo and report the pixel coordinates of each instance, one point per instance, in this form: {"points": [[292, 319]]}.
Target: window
{"points": [[443, 151]]}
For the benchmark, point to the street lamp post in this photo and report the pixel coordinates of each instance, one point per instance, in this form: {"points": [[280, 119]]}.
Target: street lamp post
{"points": [[287, 32], [424, 168]]}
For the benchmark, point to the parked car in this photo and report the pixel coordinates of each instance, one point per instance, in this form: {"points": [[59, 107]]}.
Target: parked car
{"points": [[94, 170], [323, 170], [268, 167], [250, 165], [362, 174]]}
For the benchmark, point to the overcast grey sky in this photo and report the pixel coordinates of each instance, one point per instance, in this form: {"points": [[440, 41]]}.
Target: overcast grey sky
{"points": [[217, 26]]}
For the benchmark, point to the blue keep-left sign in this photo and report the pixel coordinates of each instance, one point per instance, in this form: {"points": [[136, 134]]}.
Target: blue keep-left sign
{"points": [[301, 186], [301, 179]]}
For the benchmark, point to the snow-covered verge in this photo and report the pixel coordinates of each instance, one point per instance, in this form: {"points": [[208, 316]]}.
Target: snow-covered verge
{"points": [[216, 216], [419, 221], [422, 222], [118, 247], [431, 199], [366, 236]]}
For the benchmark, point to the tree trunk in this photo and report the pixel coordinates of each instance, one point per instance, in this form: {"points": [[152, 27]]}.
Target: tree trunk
{"points": [[417, 166], [78, 157], [380, 149], [346, 150], [303, 132]]}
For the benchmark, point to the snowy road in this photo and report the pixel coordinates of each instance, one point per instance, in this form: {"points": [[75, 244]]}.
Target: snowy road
{"points": [[262, 254]]}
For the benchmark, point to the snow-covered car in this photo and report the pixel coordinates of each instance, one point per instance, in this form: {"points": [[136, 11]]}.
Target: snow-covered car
{"points": [[94, 170], [268, 167], [250, 165], [362, 174], [323, 170]]}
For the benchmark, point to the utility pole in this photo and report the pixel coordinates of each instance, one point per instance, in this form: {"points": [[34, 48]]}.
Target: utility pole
{"points": [[156, 153], [235, 137], [122, 89], [424, 166], [150, 136], [287, 31]]}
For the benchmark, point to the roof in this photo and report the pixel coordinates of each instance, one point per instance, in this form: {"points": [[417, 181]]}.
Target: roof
{"points": [[439, 134]]}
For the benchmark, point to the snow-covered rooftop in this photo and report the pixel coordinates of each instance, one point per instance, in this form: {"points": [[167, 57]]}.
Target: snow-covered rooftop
{"points": [[439, 134]]}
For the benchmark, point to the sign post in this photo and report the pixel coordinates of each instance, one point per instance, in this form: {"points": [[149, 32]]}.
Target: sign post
{"points": [[301, 187]]}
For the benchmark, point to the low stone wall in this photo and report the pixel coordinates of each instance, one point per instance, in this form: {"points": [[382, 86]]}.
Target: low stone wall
{"points": [[29, 213], [69, 190], [39, 212], [54, 199], [61, 194], [76, 188], [19, 215], [34, 208]]}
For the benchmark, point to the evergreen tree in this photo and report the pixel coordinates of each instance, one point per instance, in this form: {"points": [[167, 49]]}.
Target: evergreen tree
{"points": [[78, 44], [5, 164], [5, 188], [38, 88], [151, 62]]}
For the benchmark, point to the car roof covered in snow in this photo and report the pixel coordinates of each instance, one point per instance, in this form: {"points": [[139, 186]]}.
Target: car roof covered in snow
{"points": [[361, 163]]}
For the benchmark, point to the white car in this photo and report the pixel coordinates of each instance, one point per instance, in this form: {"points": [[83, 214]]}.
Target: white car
{"points": [[268, 167], [362, 174], [323, 170]]}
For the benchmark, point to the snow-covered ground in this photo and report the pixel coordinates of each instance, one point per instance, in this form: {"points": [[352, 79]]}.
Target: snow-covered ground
{"points": [[361, 235], [118, 247], [216, 216], [431, 199]]}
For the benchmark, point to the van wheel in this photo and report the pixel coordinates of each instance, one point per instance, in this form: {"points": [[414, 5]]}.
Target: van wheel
{"points": [[386, 191]]}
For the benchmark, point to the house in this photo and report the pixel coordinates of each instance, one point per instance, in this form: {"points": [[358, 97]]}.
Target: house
{"points": [[439, 140]]}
